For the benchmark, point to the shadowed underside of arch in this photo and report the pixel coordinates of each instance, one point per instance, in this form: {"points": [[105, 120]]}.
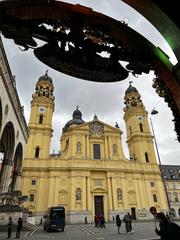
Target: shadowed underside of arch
{"points": [[18, 156], [0, 114]]}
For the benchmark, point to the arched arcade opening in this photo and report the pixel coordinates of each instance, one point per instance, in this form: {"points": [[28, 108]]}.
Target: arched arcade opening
{"points": [[7, 143]]}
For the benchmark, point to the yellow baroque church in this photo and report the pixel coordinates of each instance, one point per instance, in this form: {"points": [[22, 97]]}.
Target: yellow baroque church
{"points": [[91, 175]]}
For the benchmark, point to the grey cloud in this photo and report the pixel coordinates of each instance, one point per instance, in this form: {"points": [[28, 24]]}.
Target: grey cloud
{"points": [[105, 100]]}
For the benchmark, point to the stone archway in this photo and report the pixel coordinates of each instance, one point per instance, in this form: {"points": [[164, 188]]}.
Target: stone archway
{"points": [[1, 154], [7, 142], [16, 175], [0, 114]]}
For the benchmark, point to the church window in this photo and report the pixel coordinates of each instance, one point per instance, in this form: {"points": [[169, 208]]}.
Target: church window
{"points": [[96, 150], [130, 130], [37, 152], [154, 197], [175, 195], [152, 184], [78, 147], [33, 182], [31, 197], [78, 194], [141, 127], [41, 119], [146, 157], [119, 194]]}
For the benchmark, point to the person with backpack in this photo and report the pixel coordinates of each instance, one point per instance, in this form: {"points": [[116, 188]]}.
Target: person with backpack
{"points": [[128, 222], [167, 230]]}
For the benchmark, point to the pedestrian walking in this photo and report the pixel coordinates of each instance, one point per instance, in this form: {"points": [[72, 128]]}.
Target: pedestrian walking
{"points": [[19, 227], [85, 220], [102, 221], [118, 222], [167, 230], [10, 225], [128, 222]]}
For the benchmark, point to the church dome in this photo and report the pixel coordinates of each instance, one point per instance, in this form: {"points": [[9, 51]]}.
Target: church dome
{"points": [[46, 78], [77, 114], [131, 89], [77, 119]]}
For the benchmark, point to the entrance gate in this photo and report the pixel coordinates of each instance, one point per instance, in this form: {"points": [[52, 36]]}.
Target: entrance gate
{"points": [[99, 205]]}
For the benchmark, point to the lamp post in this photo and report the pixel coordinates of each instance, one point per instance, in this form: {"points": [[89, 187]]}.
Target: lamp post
{"points": [[159, 159]]}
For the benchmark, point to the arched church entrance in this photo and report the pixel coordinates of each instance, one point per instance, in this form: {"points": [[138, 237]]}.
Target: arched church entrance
{"points": [[7, 142]]}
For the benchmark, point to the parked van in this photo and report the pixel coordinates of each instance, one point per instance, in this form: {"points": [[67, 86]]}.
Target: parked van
{"points": [[55, 219]]}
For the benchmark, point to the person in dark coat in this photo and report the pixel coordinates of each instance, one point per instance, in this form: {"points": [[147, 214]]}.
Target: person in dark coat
{"points": [[102, 221], [167, 230], [10, 225], [19, 227], [118, 222], [128, 222]]}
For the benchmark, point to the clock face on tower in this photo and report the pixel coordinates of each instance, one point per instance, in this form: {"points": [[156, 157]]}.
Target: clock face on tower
{"points": [[96, 128], [140, 118], [42, 109]]}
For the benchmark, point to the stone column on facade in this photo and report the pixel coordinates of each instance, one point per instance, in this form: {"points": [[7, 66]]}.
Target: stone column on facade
{"points": [[138, 193], [84, 206], [106, 148], [162, 199], [110, 147], [88, 146], [89, 199], [114, 194], [141, 193], [148, 196], [71, 195], [51, 190], [84, 146], [6, 176], [74, 145], [125, 196], [18, 181], [109, 193]]}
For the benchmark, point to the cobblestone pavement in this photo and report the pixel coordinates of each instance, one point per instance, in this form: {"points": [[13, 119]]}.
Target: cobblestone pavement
{"points": [[142, 231]]}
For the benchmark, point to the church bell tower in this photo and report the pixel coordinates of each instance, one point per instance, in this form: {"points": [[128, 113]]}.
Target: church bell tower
{"points": [[40, 123], [139, 138]]}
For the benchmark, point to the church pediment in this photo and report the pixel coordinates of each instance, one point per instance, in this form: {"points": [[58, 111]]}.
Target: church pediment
{"points": [[99, 190]]}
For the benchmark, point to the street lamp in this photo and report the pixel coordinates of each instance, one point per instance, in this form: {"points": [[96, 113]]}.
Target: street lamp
{"points": [[154, 112]]}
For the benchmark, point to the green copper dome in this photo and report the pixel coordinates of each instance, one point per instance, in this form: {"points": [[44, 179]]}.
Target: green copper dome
{"points": [[46, 78], [131, 89]]}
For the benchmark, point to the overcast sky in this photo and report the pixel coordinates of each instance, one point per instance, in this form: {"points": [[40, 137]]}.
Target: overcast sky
{"points": [[106, 100]]}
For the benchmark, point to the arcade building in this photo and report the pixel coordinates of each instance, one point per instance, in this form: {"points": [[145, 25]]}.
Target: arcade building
{"points": [[91, 175]]}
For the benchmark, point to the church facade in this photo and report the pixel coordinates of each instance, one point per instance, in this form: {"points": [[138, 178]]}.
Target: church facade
{"points": [[91, 175]]}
